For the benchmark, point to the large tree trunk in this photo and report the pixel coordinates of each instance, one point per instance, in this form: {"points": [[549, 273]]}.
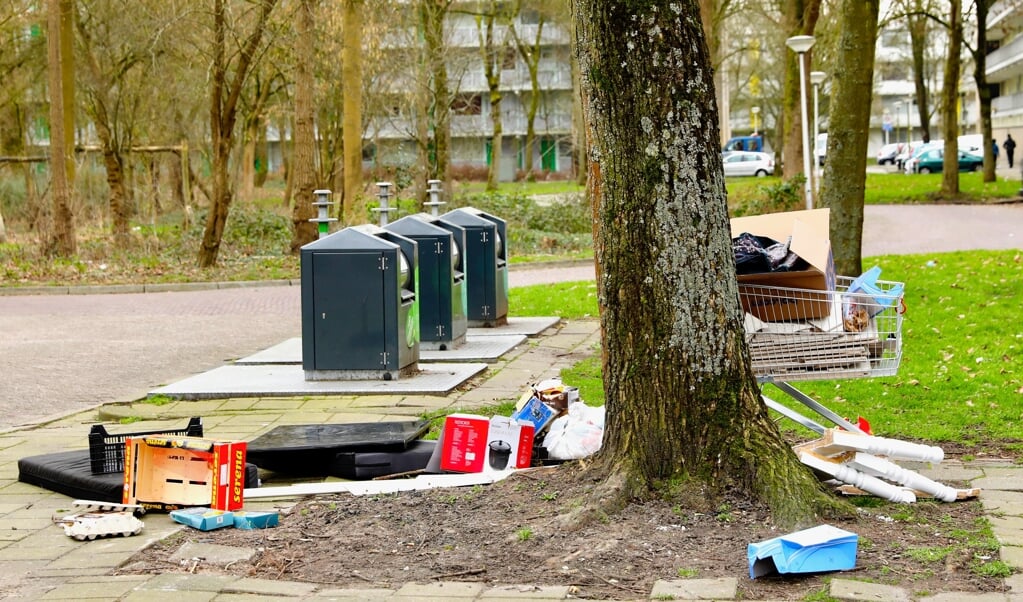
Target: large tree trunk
{"points": [[62, 240], [845, 172], [303, 167], [949, 101], [224, 97], [682, 401], [351, 75]]}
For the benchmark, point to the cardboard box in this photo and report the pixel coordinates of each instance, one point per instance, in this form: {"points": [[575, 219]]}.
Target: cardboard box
{"points": [[256, 520], [204, 519], [472, 443], [764, 295], [171, 473], [536, 412]]}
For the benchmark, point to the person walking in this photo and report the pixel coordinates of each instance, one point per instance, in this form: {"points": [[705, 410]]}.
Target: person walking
{"points": [[1010, 148], [994, 151]]}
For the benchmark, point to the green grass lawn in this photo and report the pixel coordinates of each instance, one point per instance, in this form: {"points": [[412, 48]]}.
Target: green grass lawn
{"points": [[961, 375]]}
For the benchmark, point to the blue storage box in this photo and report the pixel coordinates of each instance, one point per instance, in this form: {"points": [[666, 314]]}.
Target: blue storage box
{"points": [[256, 520], [815, 550], [203, 519]]}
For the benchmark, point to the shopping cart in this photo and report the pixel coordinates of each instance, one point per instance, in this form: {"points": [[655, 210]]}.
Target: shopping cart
{"points": [[854, 331]]}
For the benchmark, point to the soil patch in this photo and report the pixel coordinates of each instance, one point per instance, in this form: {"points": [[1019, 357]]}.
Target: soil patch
{"points": [[511, 533]]}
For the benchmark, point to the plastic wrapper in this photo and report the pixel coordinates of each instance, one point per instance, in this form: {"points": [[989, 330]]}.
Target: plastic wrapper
{"points": [[577, 434]]}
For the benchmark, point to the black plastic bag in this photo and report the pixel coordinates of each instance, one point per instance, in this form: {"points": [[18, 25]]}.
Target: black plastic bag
{"points": [[760, 254]]}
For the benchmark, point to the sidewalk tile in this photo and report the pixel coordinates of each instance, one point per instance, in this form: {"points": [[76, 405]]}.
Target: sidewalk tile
{"points": [[696, 589], [848, 589], [355, 595], [525, 592], [445, 590]]}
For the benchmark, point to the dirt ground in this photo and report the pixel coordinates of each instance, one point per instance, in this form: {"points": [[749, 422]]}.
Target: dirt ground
{"points": [[510, 533]]}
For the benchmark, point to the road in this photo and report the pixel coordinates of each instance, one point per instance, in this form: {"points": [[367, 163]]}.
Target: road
{"points": [[65, 353]]}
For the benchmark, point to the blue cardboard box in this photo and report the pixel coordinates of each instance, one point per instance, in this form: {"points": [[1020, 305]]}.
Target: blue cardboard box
{"points": [[203, 519], [256, 520], [815, 550], [536, 412]]}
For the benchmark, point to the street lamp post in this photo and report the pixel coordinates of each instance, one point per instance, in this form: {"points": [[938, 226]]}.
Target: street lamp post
{"points": [[801, 45], [756, 113], [816, 78]]}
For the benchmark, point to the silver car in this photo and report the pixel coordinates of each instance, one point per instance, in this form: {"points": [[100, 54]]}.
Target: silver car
{"points": [[747, 163]]}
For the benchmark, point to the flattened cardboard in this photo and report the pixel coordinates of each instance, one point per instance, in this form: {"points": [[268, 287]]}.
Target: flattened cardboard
{"points": [[809, 237], [204, 519]]}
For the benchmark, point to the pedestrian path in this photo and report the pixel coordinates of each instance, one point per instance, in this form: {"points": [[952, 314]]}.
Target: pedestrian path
{"points": [[39, 562]]}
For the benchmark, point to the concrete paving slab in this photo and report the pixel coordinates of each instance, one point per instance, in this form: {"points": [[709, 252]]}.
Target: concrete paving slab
{"points": [[529, 326], [695, 589], [477, 348], [289, 380]]}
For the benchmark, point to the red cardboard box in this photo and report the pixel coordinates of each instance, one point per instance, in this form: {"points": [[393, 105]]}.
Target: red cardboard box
{"points": [[170, 473], [472, 443]]}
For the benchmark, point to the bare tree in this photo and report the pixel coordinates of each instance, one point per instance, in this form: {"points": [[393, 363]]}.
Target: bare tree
{"points": [[62, 239], [492, 51], [950, 101], [979, 52], [351, 79], [229, 72], [845, 172], [682, 402], [303, 162]]}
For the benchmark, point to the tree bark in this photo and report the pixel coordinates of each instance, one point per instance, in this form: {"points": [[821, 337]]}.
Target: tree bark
{"points": [[351, 76], [62, 240], [949, 101], [845, 172], [682, 401], [303, 167]]}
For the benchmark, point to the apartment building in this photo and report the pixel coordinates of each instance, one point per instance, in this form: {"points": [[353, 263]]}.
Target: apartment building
{"points": [[393, 136], [1005, 68]]}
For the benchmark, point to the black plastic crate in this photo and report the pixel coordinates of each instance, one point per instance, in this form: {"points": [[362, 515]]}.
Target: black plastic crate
{"points": [[106, 451]]}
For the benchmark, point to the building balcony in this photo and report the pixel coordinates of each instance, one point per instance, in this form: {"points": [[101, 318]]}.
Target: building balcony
{"points": [[1006, 62], [1004, 106], [473, 126], [1002, 17]]}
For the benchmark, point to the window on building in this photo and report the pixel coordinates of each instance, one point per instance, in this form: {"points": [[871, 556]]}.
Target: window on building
{"points": [[509, 59], [529, 17]]}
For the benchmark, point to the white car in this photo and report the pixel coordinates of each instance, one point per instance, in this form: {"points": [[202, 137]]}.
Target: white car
{"points": [[888, 153], [748, 163]]}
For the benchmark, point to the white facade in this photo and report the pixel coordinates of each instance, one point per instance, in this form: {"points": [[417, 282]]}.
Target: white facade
{"points": [[393, 135]]}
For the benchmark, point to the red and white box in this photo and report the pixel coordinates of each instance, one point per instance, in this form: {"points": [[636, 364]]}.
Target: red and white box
{"points": [[170, 473], [472, 443]]}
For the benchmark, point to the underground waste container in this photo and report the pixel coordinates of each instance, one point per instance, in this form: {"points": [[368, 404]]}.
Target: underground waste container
{"points": [[442, 293], [485, 262], [359, 306]]}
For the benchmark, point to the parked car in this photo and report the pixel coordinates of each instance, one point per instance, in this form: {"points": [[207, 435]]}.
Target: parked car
{"points": [[744, 143], [917, 148], [741, 163], [932, 160], [908, 150], [888, 152]]}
